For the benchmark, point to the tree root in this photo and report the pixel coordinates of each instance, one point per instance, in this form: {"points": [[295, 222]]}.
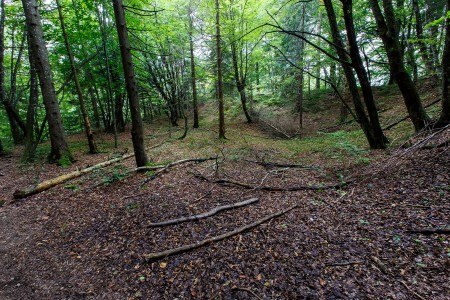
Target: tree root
{"points": [[158, 255], [210, 213]]}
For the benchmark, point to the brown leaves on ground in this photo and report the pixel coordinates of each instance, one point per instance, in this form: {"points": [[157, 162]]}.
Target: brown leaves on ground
{"points": [[88, 240]]}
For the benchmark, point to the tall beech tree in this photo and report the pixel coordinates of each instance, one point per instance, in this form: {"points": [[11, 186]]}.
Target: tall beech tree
{"points": [[387, 29], [59, 149], [137, 130], [86, 122]]}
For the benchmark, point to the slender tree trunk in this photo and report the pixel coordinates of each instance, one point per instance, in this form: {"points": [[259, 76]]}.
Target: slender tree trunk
{"points": [[193, 78], [86, 122], [360, 71], [420, 37], [59, 148], [137, 130], [30, 145], [445, 114], [240, 82], [375, 142], [219, 75], [387, 32]]}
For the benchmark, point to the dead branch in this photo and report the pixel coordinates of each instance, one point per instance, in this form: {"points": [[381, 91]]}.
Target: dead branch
{"points": [[346, 263], [162, 169], [158, 255], [278, 130], [441, 145], [210, 213], [407, 117], [430, 231], [274, 188], [380, 264], [409, 289], [280, 165]]}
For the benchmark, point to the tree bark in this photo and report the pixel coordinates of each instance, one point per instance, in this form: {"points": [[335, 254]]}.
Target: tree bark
{"points": [[137, 130], [30, 145], [219, 75], [59, 149], [374, 141], [445, 114], [86, 122], [193, 77], [239, 79], [420, 38], [360, 71], [387, 30]]}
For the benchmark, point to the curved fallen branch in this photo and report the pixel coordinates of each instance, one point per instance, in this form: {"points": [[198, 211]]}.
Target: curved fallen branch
{"points": [[275, 188], [162, 254], [210, 213]]}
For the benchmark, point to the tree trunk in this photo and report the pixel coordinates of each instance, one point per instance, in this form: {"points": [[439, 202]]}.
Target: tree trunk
{"points": [[30, 145], [219, 75], [364, 82], [445, 114], [86, 122], [137, 130], [387, 32], [193, 78], [375, 142], [59, 149], [420, 38], [240, 82]]}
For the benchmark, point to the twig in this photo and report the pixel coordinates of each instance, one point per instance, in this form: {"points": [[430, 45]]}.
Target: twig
{"points": [[380, 264], [247, 290], [407, 117], [347, 263], [409, 289], [158, 255], [210, 213]]}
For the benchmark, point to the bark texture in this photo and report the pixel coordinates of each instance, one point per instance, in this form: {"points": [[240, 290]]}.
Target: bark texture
{"points": [[386, 25], [86, 122], [137, 130], [59, 148], [219, 75]]}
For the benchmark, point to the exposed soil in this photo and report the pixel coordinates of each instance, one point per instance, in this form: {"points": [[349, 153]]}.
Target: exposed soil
{"points": [[87, 239]]}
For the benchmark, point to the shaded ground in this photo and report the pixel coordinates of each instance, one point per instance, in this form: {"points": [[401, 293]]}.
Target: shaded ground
{"points": [[87, 239]]}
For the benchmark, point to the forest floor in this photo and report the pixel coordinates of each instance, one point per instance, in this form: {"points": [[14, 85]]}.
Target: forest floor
{"points": [[90, 238]]}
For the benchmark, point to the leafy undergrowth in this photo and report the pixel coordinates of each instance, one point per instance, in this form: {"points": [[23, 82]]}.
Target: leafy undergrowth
{"points": [[88, 238]]}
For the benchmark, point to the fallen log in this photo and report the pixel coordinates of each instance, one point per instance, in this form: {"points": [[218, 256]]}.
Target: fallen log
{"points": [[430, 231], [47, 184], [210, 213], [275, 188], [157, 255]]}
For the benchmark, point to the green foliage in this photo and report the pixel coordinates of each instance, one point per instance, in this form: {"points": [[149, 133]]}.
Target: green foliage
{"points": [[119, 173]]}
